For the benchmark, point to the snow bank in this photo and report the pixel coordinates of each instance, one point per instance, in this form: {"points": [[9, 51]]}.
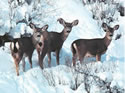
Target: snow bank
{"points": [[58, 79]]}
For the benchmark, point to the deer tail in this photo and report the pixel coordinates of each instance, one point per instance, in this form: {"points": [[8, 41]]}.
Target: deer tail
{"points": [[14, 46], [74, 48]]}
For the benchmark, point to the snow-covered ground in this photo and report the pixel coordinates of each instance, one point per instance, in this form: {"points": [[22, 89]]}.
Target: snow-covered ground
{"points": [[62, 78]]}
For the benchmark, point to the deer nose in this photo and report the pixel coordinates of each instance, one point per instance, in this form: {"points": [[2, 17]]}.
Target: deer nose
{"points": [[68, 31], [38, 35], [111, 35], [40, 44]]}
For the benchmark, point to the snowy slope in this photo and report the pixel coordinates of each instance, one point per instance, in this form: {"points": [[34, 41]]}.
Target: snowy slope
{"points": [[61, 79]]}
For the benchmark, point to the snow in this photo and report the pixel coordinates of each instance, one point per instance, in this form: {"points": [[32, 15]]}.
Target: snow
{"points": [[37, 81], [60, 79], [4, 17]]}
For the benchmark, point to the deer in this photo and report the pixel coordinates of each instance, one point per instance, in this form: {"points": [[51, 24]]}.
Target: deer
{"points": [[5, 38], [21, 48], [56, 39], [24, 47], [92, 47], [53, 41], [40, 39]]}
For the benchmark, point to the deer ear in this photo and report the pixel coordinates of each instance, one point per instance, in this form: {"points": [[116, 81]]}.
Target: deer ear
{"points": [[104, 26], [61, 21], [116, 27], [32, 26], [45, 27], [75, 22]]}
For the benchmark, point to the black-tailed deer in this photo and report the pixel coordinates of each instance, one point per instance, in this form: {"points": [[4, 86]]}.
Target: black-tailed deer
{"points": [[40, 39], [92, 47], [21, 48], [56, 39]]}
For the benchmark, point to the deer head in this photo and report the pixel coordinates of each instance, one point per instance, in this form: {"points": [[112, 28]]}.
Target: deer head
{"points": [[38, 33], [67, 27], [109, 30]]}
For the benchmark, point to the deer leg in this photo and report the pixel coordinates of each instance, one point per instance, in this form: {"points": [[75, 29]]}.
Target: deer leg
{"points": [[30, 60], [49, 59], [42, 57], [17, 58], [23, 60], [17, 66], [98, 57], [57, 56], [81, 56], [74, 59], [39, 57]]}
